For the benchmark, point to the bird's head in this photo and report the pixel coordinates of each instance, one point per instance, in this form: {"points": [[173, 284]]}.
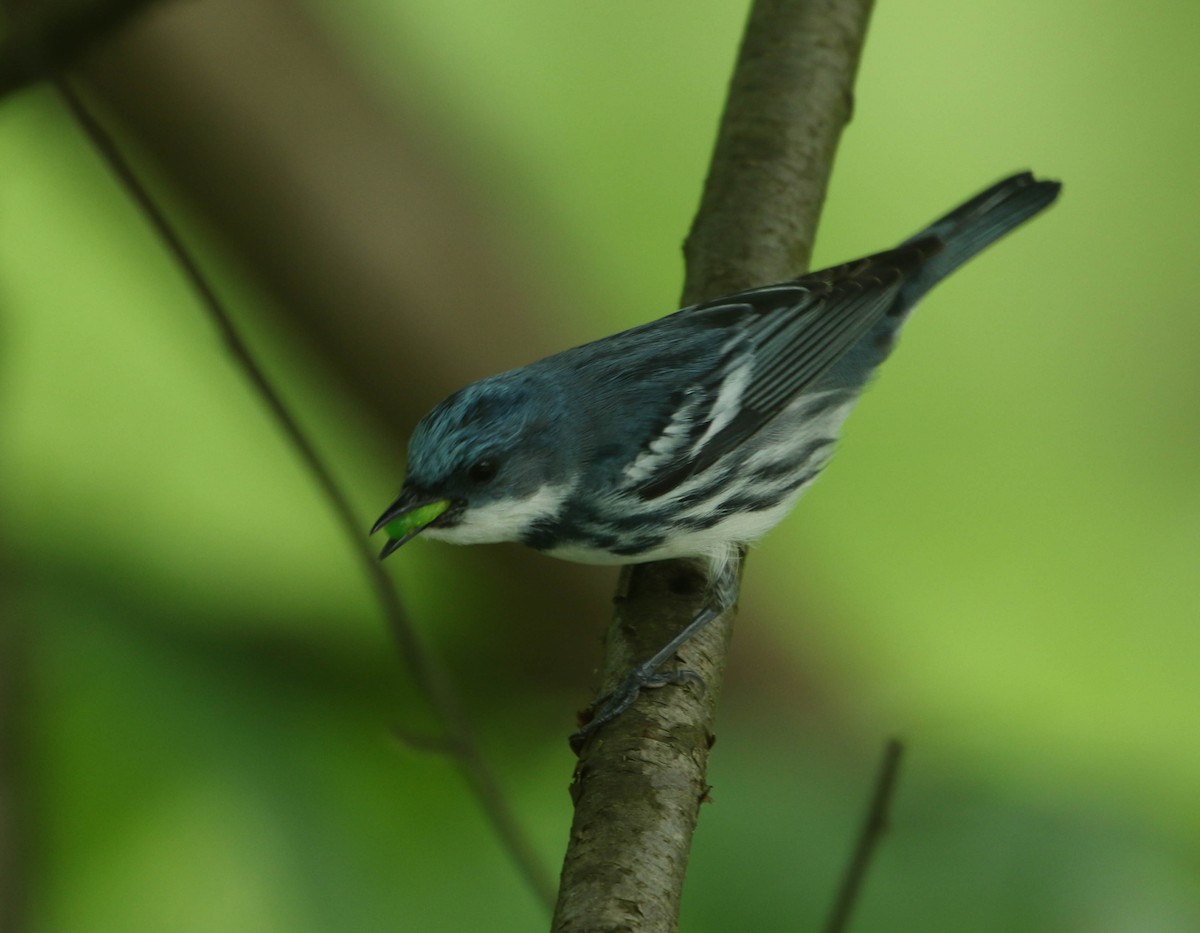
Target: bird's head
{"points": [[484, 465]]}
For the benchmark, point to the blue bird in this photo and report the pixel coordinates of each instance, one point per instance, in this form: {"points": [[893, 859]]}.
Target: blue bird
{"points": [[690, 436]]}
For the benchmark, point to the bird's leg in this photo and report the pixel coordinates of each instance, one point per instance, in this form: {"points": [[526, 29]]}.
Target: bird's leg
{"points": [[723, 586]]}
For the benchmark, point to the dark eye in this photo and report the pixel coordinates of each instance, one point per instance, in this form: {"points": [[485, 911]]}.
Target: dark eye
{"points": [[483, 471]]}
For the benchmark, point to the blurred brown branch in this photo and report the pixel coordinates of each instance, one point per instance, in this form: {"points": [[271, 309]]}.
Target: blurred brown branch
{"points": [[640, 781], [42, 38]]}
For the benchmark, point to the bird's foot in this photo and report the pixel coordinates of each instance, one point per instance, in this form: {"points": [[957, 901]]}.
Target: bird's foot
{"points": [[723, 585], [608, 707]]}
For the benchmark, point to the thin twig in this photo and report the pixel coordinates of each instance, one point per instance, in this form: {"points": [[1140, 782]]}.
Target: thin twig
{"points": [[430, 678], [874, 825]]}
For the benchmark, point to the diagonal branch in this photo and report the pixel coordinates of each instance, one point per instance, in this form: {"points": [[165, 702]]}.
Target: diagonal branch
{"points": [[875, 824], [433, 682], [639, 784]]}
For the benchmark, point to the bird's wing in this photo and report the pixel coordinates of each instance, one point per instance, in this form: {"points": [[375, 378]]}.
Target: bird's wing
{"points": [[787, 337]]}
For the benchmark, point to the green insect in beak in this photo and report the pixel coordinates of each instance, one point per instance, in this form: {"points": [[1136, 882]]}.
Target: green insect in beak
{"points": [[406, 519]]}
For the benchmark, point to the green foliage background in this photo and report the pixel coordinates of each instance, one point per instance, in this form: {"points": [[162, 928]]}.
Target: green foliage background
{"points": [[1001, 567]]}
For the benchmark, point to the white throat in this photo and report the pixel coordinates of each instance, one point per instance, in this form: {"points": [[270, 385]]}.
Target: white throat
{"points": [[507, 520]]}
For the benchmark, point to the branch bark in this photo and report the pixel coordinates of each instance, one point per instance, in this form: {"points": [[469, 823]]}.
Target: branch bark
{"points": [[639, 783]]}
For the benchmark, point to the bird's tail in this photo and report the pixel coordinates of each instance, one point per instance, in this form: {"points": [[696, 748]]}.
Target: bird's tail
{"points": [[975, 225]]}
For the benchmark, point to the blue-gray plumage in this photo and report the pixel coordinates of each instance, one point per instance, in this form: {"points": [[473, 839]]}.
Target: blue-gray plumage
{"points": [[692, 435]]}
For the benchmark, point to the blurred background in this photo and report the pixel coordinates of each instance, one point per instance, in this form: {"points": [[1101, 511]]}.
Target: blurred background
{"points": [[198, 698]]}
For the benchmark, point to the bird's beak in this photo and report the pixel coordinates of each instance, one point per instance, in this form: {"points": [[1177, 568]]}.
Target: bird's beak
{"points": [[407, 517]]}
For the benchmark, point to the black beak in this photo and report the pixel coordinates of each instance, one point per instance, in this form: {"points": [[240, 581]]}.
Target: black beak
{"points": [[411, 513]]}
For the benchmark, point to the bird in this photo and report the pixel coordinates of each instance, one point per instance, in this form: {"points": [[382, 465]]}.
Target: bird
{"points": [[690, 436]]}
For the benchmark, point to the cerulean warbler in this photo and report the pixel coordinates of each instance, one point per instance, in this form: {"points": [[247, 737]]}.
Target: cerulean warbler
{"points": [[690, 436]]}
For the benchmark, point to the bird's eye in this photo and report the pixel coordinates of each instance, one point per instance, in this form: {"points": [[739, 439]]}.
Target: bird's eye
{"points": [[483, 471]]}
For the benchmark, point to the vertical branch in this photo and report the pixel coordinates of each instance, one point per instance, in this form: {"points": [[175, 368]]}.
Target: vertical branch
{"points": [[640, 782], [791, 94]]}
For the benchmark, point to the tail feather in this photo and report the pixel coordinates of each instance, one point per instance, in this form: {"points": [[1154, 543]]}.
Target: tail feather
{"points": [[976, 224]]}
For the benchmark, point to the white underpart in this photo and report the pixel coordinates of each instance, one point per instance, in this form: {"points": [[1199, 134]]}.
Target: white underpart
{"points": [[713, 544], [716, 555], [790, 432], [506, 520]]}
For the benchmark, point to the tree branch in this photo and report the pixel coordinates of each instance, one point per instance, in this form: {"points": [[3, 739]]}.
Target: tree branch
{"points": [[640, 782], [433, 682], [359, 209], [874, 825]]}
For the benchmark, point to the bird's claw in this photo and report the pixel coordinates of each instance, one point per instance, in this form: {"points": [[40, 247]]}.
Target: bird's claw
{"points": [[608, 707], [675, 677]]}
